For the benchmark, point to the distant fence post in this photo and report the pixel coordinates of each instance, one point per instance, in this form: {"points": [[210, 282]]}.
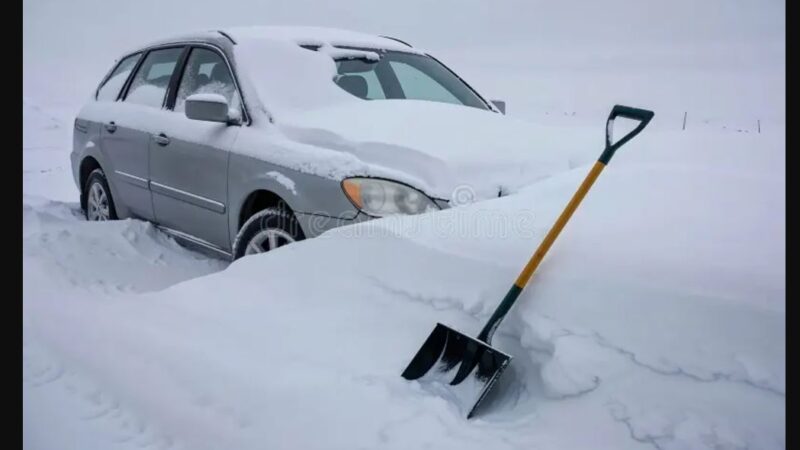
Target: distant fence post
{"points": [[684, 119]]}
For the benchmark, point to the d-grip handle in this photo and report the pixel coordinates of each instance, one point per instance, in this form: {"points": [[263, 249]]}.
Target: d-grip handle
{"points": [[642, 115]]}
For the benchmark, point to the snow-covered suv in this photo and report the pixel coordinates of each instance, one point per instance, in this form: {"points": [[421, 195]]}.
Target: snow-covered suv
{"points": [[247, 139]]}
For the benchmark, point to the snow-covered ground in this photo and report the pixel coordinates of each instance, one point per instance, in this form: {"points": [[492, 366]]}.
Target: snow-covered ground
{"points": [[657, 320]]}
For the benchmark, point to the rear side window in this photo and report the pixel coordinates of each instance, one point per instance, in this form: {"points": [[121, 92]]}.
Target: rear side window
{"points": [[149, 85], [110, 88]]}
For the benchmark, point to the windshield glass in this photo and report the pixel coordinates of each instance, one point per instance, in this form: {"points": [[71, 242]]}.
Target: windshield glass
{"points": [[400, 75]]}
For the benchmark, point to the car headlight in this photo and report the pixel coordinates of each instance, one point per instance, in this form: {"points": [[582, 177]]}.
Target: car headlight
{"points": [[380, 198]]}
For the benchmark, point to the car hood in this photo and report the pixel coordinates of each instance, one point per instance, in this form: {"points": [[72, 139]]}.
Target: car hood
{"points": [[449, 151]]}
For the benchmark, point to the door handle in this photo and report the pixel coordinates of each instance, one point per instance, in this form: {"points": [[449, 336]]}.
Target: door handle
{"points": [[161, 139], [111, 127]]}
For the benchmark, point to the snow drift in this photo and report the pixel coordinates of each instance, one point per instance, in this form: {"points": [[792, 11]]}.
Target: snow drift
{"points": [[658, 318]]}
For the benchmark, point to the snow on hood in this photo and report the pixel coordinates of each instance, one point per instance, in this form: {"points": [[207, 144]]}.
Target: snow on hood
{"points": [[452, 148], [444, 148]]}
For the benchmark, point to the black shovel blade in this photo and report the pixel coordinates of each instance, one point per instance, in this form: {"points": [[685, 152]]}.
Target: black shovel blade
{"points": [[460, 367]]}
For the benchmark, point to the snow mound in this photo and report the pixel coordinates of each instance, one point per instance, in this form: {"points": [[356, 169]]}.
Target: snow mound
{"points": [[657, 319], [133, 253]]}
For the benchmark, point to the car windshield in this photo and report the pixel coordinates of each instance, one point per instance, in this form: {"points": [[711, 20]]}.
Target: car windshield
{"points": [[401, 75]]}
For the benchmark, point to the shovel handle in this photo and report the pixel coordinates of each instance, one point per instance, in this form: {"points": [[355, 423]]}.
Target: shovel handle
{"points": [[527, 272], [643, 116]]}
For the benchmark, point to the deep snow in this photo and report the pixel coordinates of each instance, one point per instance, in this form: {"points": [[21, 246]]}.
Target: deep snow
{"points": [[657, 320]]}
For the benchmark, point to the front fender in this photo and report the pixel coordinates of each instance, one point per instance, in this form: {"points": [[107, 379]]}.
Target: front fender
{"points": [[305, 194]]}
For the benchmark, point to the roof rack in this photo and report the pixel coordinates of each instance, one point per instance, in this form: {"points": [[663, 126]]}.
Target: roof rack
{"points": [[227, 36], [398, 40]]}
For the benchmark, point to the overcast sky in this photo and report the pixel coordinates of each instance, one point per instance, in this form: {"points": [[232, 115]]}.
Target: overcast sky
{"points": [[53, 28]]}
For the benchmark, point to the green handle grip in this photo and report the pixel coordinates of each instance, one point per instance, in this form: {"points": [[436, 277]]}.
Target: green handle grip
{"points": [[642, 115]]}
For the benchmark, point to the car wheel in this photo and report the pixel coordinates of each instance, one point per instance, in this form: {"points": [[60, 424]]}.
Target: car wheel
{"points": [[267, 230], [99, 204]]}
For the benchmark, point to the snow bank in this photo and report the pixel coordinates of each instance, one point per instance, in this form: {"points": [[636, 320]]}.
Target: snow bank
{"points": [[657, 319], [54, 233]]}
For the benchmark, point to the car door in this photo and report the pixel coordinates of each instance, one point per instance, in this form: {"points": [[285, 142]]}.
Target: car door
{"points": [[189, 158], [123, 146], [125, 137]]}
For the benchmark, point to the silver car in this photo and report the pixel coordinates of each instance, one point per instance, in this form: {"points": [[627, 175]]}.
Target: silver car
{"points": [[228, 140]]}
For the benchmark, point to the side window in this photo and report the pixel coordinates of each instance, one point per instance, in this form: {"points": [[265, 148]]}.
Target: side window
{"points": [[359, 78], [110, 88], [418, 85], [149, 85], [206, 73]]}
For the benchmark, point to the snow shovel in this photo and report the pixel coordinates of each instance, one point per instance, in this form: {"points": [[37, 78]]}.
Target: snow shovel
{"points": [[467, 368]]}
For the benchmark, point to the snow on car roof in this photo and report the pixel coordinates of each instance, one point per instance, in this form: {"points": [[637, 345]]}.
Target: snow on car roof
{"points": [[299, 35], [317, 36]]}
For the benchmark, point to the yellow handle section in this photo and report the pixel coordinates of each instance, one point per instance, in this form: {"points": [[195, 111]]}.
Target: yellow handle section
{"points": [[537, 257]]}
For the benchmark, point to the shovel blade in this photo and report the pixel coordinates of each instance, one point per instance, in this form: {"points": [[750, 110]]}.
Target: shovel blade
{"points": [[458, 366]]}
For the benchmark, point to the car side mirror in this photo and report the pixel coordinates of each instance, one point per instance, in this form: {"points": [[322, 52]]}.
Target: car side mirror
{"points": [[210, 108], [500, 104]]}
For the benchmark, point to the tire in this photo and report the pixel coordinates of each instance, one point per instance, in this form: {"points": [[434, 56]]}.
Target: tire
{"points": [[99, 205], [266, 230]]}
